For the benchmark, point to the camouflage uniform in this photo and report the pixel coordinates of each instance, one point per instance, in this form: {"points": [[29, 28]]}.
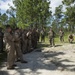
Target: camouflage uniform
{"points": [[42, 36], [70, 38], [1, 40], [34, 38], [38, 35], [28, 41], [9, 39], [18, 46], [24, 38], [61, 34], [51, 37]]}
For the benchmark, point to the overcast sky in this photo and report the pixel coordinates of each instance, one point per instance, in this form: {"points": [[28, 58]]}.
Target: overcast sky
{"points": [[4, 4]]}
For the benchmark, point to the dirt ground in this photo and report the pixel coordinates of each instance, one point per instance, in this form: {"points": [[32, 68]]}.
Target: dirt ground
{"points": [[59, 60]]}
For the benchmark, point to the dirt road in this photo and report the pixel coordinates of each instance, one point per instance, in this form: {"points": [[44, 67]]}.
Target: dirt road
{"points": [[58, 60]]}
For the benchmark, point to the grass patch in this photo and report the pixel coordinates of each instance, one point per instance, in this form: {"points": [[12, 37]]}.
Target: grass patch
{"points": [[57, 41]]}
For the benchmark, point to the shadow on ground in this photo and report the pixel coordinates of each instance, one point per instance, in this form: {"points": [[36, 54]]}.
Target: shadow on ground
{"points": [[58, 62], [4, 73], [58, 45], [50, 61], [42, 45]]}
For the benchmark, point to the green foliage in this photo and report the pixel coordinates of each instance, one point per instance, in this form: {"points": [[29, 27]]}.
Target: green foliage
{"points": [[32, 12], [69, 14], [3, 19], [12, 17], [58, 12], [57, 19], [65, 19], [21, 25], [68, 2], [36, 13]]}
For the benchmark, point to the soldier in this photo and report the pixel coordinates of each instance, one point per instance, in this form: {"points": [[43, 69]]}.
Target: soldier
{"points": [[61, 35], [1, 40], [38, 35], [9, 39], [28, 40], [24, 38], [71, 38], [21, 39], [51, 37], [18, 46], [42, 35], [34, 38]]}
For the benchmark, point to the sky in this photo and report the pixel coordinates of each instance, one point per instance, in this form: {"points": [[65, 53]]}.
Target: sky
{"points": [[4, 4]]}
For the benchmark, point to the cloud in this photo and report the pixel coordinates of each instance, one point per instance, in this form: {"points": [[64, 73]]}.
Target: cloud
{"points": [[4, 4], [54, 4]]}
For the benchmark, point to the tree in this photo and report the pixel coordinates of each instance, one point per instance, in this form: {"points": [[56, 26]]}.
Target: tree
{"points": [[34, 13], [58, 15], [3, 19], [12, 17], [69, 14]]}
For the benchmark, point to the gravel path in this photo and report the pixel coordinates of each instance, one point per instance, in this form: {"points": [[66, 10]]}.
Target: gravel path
{"points": [[58, 60]]}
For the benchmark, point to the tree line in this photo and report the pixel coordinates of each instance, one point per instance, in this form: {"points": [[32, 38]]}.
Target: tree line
{"points": [[37, 13]]}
